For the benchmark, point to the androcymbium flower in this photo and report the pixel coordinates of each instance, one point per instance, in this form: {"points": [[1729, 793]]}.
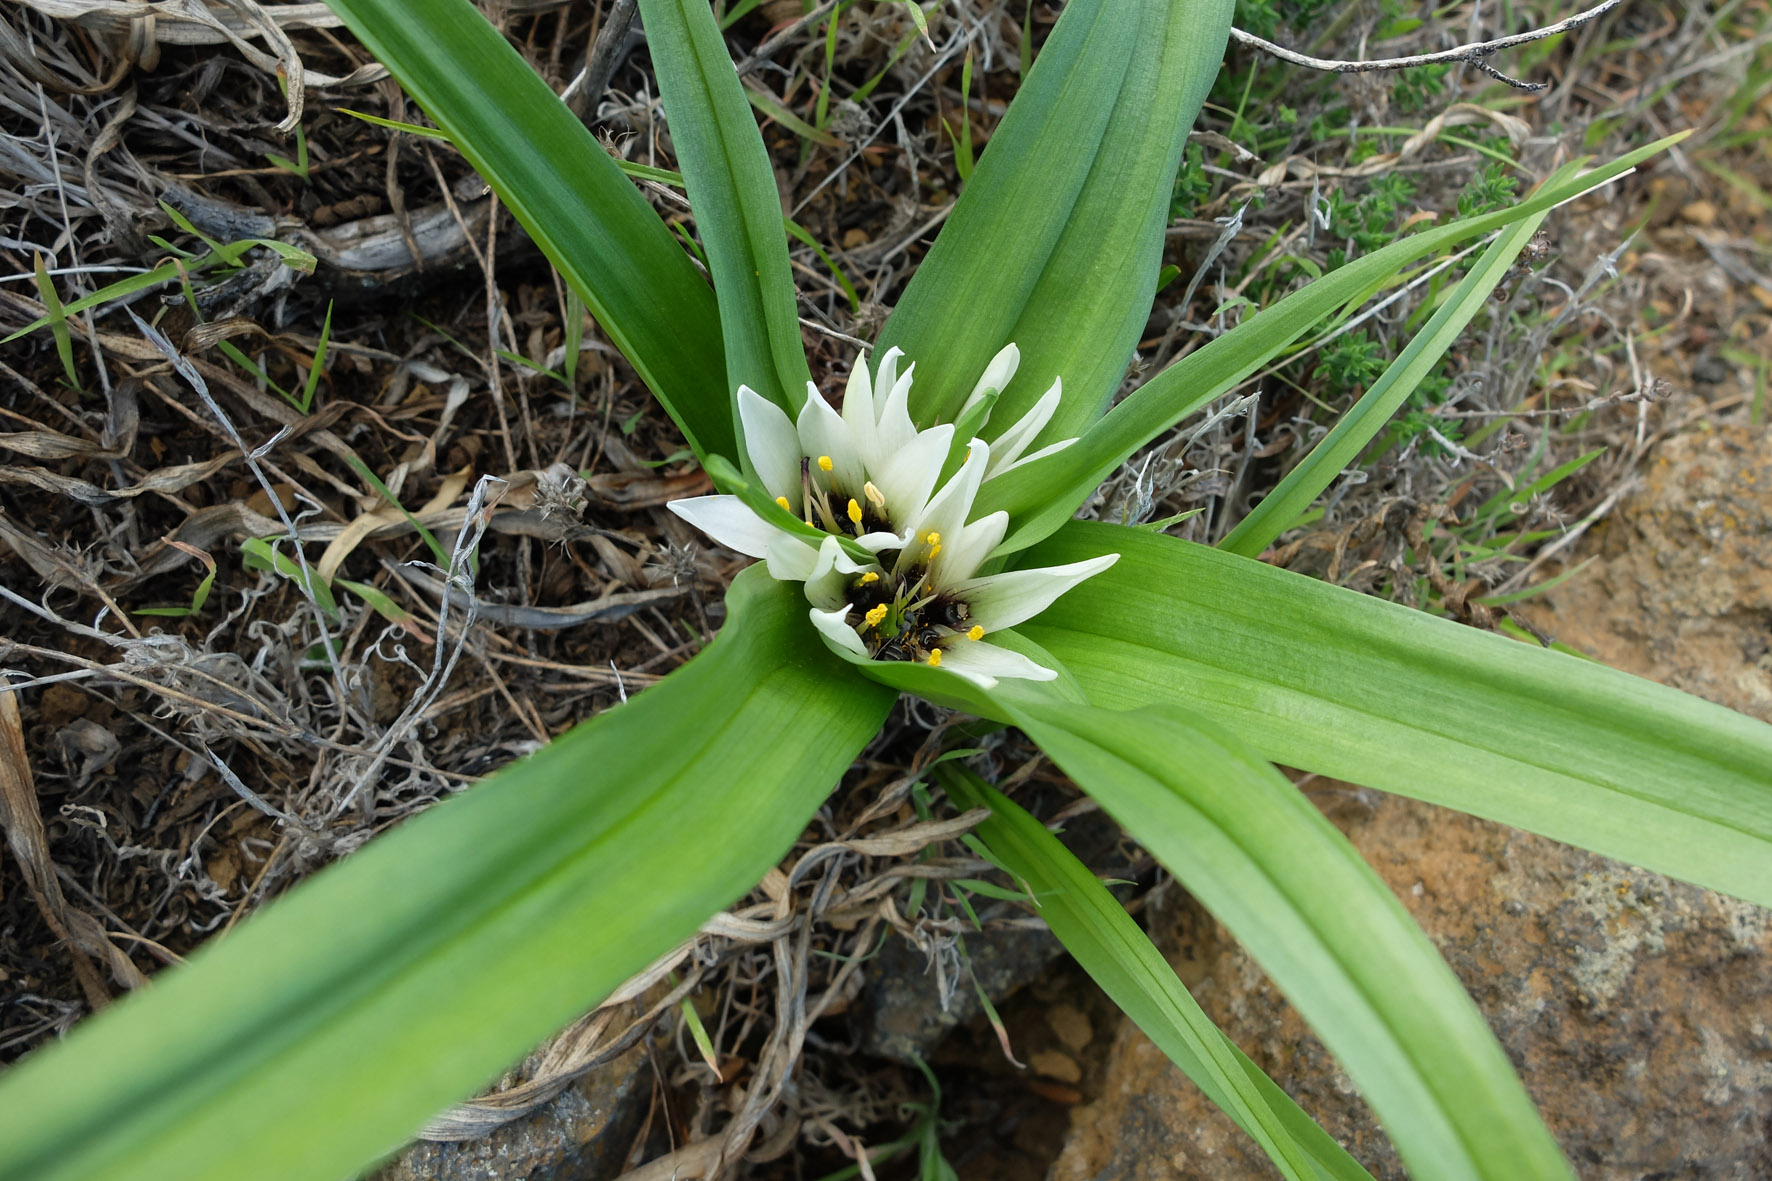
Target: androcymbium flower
{"points": [[870, 475]]}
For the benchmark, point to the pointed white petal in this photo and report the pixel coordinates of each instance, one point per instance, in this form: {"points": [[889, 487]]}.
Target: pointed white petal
{"points": [[997, 376], [886, 375], [984, 662], [908, 475], [1004, 600], [1012, 442], [790, 559], [1042, 453], [834, 627], [974, 545], [823, 432], [729, 521], [893, 406], [771, 442], [858, 411], [947, 513]]}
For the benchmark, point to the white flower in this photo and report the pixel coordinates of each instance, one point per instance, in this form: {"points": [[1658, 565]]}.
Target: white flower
{"points": [[870, 475]]}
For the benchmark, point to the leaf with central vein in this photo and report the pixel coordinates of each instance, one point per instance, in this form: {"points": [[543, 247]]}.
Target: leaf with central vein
{"points": [[1093, 299], [1331, 681], [1044, 494], [732, 191], [562, 186], [967, 294], [1343, 444], [327, 1028], [1108, 945], [1322, 925]]}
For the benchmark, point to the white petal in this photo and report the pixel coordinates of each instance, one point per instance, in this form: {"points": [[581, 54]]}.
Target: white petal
{"points": [[973, 546], [834, 627], [886, 375], [1011, 443], [858, 411], [908, 475], [1042, 453], [771, 442], [823, 432], [878, 542], [984, 662], [790, 558], [1004, 600], [892, 404], [947, 513], [729, 521], [828, 579], [997, 376]]}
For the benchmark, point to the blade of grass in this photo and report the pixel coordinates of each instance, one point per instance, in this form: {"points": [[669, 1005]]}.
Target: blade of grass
{"points": [[1120, 957], [1338, 450], [549, 170], [325, 1029], [1327, 680]]}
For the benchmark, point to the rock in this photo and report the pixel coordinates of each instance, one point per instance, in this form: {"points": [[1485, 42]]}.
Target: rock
{"points": [[582, 1135], [900, 1011], [1637, 1009]]}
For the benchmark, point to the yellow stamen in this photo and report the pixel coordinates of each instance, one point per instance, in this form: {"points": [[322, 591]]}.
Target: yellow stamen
{"points": [[854, 512], [933, 550], [870, 576], [875, 497], [977, 633], [935, 658], [932, 539], [783, 502], [824, 463], [876, 615]]}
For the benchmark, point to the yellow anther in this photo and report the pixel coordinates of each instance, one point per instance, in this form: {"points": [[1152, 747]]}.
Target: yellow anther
{"points": [[935, 658], [783, 502], [874, 495], [933, 550], [854, 512], [976, 633], [932, 539], [870, 576], [876, 615], [824, 463]]}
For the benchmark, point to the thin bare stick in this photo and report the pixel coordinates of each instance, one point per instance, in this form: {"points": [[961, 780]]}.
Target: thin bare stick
{"points": [[1473, 54]]}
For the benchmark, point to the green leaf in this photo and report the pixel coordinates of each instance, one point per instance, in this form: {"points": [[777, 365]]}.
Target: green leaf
{"points": [[327, 1028], [1044, 494], [1120, 957], [1094, 297], [1343, 444], [966, 296], [556, 178], [732, 191], [1323, 926], [1327, 680]]}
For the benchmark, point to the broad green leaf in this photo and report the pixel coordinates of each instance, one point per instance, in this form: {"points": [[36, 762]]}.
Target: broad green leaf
{"points": [[1327, 680], [732, 191], [973, 285], [1343, 444], [551, 172], [1094, 296], [1323, 926], [1043, 495], [1120, 957], [328, 1027]]}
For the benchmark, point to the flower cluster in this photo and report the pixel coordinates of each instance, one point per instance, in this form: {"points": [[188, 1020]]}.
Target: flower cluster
{"points": [[867, 474]]}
